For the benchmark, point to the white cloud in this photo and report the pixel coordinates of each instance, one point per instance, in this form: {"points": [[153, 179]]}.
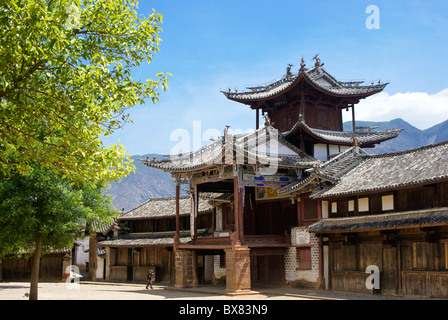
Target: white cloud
{"points": [[420, 109]]}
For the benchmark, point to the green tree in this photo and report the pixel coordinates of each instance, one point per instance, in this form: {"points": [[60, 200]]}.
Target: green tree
{"points": [[40, 212], [65, 80]]}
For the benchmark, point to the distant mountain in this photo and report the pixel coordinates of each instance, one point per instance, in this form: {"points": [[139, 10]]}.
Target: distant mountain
{"points": [[148, 182], [411, 137], [145, 182], [437, 133]]}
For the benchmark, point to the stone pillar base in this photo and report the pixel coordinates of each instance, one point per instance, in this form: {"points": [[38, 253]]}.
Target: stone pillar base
{"points": [[238, 270], [185, 269]]}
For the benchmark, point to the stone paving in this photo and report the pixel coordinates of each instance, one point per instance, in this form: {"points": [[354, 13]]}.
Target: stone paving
{"points": [[134, 291]]}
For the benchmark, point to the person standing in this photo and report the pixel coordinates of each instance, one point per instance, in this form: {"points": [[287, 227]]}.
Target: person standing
{"points": [[151, 278]]}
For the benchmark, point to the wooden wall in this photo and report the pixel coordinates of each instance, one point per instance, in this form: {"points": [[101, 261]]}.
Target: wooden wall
{"points": [[51, 268], [411, 261], [132, 264], [416, 198]]}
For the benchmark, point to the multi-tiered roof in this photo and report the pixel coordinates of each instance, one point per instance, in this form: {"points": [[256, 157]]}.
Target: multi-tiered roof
{"points": [[315, 77]]}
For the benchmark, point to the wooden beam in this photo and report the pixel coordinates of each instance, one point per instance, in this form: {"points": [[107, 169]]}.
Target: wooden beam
{"points": [[257, 121], [236, 207]]}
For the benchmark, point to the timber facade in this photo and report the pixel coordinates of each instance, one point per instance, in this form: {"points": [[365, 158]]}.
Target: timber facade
{"points": [[390, 211], [53, 267]]}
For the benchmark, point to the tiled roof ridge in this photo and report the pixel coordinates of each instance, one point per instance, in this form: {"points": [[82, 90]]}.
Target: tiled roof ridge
{"points": [[395, 214], [407, 151], [354, 150], [341, 136], [312, 75]]}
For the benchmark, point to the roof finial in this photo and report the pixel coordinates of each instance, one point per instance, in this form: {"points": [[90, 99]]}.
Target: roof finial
{"points": [[317, 64], [268, 121], [226, 130], [302, 65], [288, 69]]}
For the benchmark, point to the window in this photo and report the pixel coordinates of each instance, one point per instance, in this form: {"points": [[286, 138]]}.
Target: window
{"points": [[229, 217], [303, 258], [351, 205], [363, 204], [334, 207], [320, 152], [387, 202], [324, 209]]}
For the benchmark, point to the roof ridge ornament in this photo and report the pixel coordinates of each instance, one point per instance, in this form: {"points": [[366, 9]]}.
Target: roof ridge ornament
{"points": [[268, 122], [288, 70], [302, 65], [317, 63]]}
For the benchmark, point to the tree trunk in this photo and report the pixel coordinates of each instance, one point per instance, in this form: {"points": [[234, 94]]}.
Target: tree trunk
{"points": [[35, 269], [92, 256]]}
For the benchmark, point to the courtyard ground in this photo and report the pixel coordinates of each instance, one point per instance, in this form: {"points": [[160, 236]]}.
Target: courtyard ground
{"points": [[86, 290]]}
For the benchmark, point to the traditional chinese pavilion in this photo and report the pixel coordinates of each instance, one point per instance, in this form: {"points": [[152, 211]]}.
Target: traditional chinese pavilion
{"points": [[307, 108], [258, 233]]}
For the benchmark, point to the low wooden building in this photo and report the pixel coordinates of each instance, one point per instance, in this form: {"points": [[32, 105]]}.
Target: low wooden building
{"points": [[143, 239], [388, 211], [53, 267]]}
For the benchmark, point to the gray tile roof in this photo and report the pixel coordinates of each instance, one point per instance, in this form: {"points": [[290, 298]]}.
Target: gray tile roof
{"points": [[317, 76], [253, 146], [426, 217], [390, 171], [148, 239], [342, 137], [164, 208], [329, 171]]}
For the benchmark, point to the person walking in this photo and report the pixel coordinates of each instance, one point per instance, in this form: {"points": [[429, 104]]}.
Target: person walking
{"points": [[151, 278]]}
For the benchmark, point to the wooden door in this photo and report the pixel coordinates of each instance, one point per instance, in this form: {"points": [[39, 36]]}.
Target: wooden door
{"points": [[165, 269], [388, 275], [268, 269]]}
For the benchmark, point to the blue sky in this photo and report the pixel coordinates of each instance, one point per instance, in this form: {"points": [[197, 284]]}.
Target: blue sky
{"points": [[211, 45]]}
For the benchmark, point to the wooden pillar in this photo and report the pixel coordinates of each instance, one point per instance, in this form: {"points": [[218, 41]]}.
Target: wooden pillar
{"points": [[241, 198], [177, 209], [257, 121], [194, 210], [213, 218], [353, 120], [300, 208], [238, 208]]}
